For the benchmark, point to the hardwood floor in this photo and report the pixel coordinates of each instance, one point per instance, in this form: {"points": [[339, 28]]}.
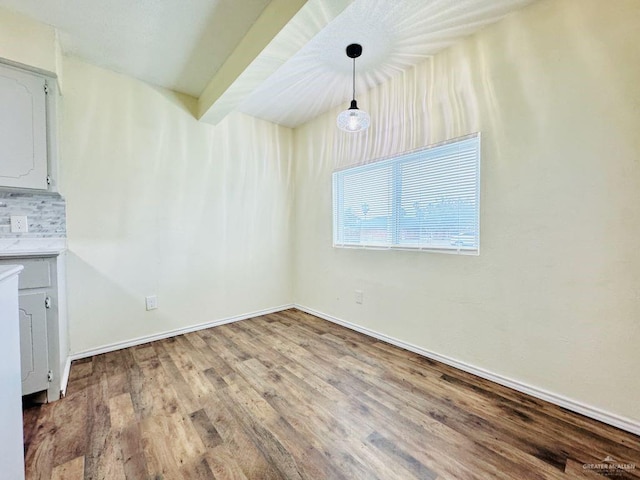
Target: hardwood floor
{"points": [[291, 396]]}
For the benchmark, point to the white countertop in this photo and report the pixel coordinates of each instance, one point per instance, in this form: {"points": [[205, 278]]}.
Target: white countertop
{"points": [[7, 271], [20, 247]]}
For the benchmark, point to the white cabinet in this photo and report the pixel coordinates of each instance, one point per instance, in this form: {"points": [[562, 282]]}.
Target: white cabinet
{"points": [[11, 450], [24, 147], [43, 327], [34, 350]]}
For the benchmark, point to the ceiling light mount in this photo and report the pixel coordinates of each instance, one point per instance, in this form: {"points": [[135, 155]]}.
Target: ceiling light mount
{"points": [[353, 119], [354, 50]]}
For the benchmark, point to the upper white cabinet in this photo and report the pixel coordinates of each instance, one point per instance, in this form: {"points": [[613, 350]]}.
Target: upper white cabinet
{"points": [[23, 129]]}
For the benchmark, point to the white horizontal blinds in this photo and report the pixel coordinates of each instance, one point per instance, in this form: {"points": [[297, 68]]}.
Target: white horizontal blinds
{"points": [[439, 197], [426, 199], [363, 211]]}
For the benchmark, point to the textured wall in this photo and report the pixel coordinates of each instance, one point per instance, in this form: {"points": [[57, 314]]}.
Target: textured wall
{"points": [[45, 213], [553, 299], [159, 203], [26, 41]]}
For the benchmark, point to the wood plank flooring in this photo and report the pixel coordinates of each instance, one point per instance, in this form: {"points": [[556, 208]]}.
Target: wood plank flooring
{"points": [[291, 396]]}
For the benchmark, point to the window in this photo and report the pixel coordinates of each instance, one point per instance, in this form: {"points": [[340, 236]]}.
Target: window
{"points": [[427, 199]]}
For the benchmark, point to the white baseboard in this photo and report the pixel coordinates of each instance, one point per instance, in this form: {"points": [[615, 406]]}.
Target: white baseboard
{"points": [[172, 333], [618, 421], [65, 377]]}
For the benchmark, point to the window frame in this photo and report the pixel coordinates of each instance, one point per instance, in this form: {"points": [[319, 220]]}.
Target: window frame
{"points": [[396, 161]]}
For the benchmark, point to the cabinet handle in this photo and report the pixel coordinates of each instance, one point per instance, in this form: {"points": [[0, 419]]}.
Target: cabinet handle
{"points": [[47, 302]]}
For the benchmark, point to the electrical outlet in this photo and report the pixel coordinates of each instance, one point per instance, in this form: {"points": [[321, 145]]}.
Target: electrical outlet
{"points": [[358, 296], [19, 224], [151, 302]]}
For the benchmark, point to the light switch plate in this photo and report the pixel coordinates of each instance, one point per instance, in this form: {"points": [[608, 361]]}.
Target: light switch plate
{"points": [[19, 224]]}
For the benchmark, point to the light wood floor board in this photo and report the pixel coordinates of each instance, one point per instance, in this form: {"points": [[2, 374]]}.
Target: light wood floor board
{"points": [[291, 396]]}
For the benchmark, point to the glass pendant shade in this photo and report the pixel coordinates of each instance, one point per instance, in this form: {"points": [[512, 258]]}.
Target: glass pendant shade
{"points": [[353, 119]]}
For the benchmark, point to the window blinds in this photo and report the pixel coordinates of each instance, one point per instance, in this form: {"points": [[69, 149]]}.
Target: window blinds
{"points": [[426, 199]]}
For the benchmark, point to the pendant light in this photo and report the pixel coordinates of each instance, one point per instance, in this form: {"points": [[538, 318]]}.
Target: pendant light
{"points": [[353, 119]]}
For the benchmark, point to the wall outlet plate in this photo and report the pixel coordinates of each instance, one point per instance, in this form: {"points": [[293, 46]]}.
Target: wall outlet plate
{"points": [[151, 302], [19, 224], [359, 296]]}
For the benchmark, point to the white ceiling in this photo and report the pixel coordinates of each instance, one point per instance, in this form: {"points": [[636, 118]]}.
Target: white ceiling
{"points": [[181, 44], [395, 35], [177, 44]]}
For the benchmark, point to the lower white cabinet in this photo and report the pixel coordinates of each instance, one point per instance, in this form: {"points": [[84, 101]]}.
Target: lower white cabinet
{"points": [[34, 348], [42, 319]]}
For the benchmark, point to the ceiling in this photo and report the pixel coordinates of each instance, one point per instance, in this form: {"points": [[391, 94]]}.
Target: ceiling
{"points": [[158, 41], [395, 35], [280, 60]]}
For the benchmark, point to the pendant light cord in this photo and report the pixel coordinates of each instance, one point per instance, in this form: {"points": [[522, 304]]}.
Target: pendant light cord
{"points": [[354, 79]]}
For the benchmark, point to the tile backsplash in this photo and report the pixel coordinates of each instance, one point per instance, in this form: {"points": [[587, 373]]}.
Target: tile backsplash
{"points": [[46, 214]]}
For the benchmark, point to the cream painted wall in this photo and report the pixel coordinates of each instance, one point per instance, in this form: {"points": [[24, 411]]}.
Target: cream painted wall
{"points": [[26, 41], [158, 203], [553, 300], [200, 215]]}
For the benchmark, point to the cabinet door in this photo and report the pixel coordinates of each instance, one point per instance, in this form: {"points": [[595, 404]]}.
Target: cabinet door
{"points": [[11, 458], [33, 342], [23, 129]]}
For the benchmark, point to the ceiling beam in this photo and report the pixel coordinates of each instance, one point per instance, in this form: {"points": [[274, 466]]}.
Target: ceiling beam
{"points": [[272, 19], [270, 42]]}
